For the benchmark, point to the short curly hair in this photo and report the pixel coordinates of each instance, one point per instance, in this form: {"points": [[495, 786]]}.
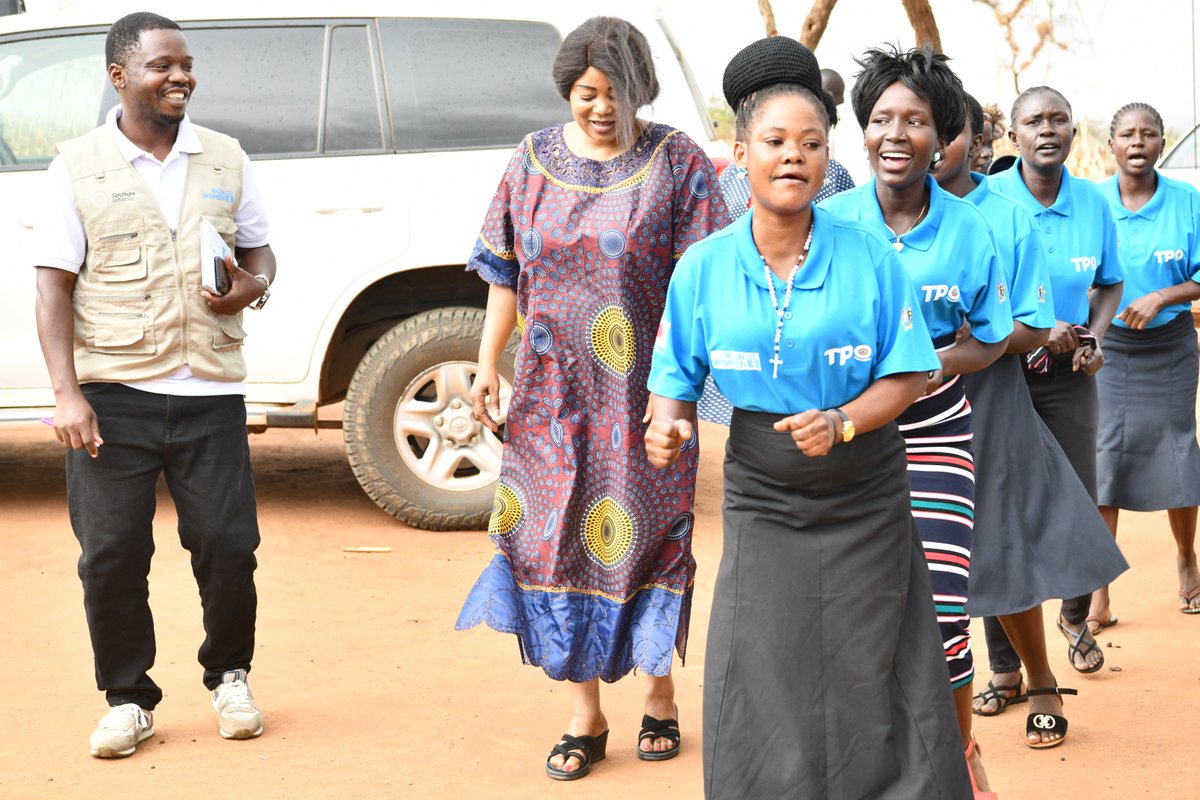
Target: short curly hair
{"points": [[621, 52], [125, 35], [923, 71]]}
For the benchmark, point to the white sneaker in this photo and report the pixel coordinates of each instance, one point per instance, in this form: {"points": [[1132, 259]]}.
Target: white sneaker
{"points": [[119, 731], [237, 713]]}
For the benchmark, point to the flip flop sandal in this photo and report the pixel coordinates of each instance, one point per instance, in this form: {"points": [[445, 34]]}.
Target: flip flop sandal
{"points": [[587, 749], [992, 693], [1100, 624], [1080, 648], [659, 729], [1187, 598], [1046, 723], [975, 791]]}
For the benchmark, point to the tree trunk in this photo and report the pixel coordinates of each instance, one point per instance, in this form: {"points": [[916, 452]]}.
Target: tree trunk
{"points": [[768, 15], [816, 22], [923, 23]]}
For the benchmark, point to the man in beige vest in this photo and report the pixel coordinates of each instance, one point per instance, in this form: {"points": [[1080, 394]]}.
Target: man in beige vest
{"points": [[147, 370]]}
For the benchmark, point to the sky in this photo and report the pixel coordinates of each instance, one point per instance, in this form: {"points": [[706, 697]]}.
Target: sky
{"points": [[1105, 67]]}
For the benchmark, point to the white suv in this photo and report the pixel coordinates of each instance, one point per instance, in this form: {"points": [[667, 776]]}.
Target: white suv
{"points": [[379, 141]]}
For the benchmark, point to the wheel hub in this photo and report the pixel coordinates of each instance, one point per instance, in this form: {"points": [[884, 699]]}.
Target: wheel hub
{"points": [[457, 424]]}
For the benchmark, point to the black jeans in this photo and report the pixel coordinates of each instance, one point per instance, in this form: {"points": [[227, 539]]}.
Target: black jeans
{"points": [[199, 445], [1069, 404]]}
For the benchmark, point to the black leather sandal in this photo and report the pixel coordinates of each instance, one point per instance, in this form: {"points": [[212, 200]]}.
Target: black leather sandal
{"points": [[1080, 645], [1046, 723], [659, 729], [586, 749], [992, 694]]}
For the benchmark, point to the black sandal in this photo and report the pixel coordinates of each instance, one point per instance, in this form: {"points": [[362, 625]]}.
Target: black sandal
{"points": [[659, 729], [1078, 647], [1046, 723], [587, 749], [992, 692]]}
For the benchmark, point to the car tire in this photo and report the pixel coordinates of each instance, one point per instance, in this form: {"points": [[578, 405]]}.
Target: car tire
{"points": [[411, 437]]}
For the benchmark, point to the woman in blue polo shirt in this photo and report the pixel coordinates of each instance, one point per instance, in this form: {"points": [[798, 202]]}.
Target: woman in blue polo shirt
{"points": [[1080, 243], [1148, 456], [910, 105], [1022, 553], [824, 673]]}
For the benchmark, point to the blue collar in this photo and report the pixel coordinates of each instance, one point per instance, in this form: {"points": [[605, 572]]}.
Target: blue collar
{"points": [[1062, 204], [1148, 211], [922, 236], [816, 265]]}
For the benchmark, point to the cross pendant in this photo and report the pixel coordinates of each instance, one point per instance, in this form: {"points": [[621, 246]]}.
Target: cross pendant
{"points": [[776, 360]]}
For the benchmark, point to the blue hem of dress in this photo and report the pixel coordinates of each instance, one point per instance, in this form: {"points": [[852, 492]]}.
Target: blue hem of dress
{"points": [[578, 636]]}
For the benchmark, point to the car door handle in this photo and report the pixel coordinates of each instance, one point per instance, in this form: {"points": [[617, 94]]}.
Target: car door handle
{"points": [[351, 210]]}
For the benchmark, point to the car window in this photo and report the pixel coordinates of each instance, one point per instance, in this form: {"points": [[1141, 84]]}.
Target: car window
{"points": [[1186, 154], [353, 123], [457, 84], [50, 90], [261, 85]]}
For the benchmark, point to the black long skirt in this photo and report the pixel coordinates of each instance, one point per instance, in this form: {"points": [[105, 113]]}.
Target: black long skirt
{"points": [[824, 675], [1037, 533], [1148, 457]]}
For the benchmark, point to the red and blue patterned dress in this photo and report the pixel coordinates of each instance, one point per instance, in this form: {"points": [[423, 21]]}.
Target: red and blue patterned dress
{"points": [[593, 568]]}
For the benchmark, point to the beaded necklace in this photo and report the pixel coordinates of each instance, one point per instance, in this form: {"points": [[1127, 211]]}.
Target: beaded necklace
{"points": [[787, 298]]}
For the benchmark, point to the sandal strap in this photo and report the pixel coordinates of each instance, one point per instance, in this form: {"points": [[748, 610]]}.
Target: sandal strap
{"points": [[578, 747], [993, 692], [1058, 690], [659, 729], [1045, 723]]}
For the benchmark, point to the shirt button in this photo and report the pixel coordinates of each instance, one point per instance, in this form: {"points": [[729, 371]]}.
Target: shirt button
{"points": [[1050, 249], [1047, 230], [790, 344], [787, 315]]}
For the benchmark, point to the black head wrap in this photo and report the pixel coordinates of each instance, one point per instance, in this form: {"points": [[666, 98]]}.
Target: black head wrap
{"points": [[776, 59]]}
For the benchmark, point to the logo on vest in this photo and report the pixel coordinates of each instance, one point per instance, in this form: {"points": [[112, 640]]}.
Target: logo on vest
{"points": [[217, 193]]}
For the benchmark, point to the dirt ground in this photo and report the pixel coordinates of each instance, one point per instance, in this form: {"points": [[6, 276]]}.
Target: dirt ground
{"points": [[369, 692]]}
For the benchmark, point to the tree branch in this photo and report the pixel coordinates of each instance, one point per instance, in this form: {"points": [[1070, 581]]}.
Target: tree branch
{"points": [[923, 23], [768, 15], [816, 22]]}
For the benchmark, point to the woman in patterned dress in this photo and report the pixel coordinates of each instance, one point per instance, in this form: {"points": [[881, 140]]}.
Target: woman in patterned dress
{"points": [[593, 570]]}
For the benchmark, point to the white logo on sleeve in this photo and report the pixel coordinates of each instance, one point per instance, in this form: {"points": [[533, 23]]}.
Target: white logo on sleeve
{"points": [[841, 355], [732, 359]]}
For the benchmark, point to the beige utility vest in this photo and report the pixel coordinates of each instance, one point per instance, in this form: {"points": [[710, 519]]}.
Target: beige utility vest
{"points": [[138, 310]]}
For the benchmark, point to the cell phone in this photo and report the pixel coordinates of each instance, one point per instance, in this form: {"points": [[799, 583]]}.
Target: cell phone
{"points": [[223, 280]]}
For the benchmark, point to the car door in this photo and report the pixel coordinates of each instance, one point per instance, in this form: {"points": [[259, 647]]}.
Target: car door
{"points": [[51, 89]]}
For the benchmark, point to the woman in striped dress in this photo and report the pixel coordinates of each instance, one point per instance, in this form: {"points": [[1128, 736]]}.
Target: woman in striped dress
{"points": [[910, 105]]}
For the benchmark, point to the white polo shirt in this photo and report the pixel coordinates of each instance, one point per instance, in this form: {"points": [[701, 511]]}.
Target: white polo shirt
{"points": [[60, 240]]}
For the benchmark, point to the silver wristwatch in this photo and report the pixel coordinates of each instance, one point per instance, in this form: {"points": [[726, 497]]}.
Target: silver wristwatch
{"points": [[266, 295]]}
